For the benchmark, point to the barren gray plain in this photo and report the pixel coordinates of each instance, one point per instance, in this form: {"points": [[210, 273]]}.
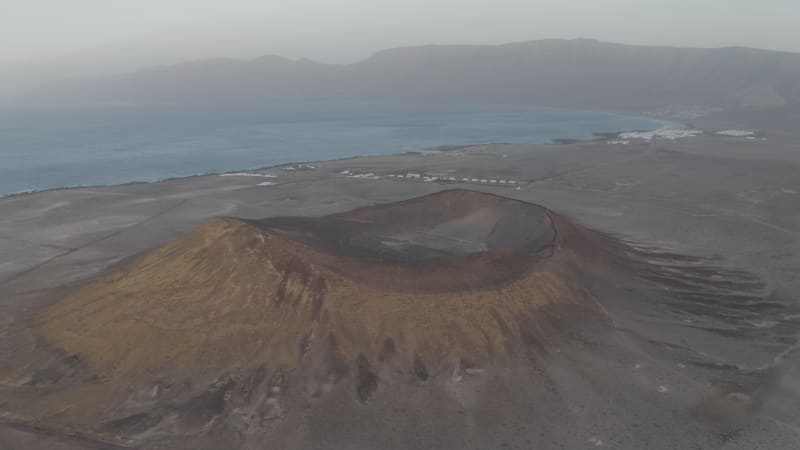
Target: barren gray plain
{"points": [[732, 199]]}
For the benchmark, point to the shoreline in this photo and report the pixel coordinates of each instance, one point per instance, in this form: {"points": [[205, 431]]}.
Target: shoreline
{"points": [[598, 136]]}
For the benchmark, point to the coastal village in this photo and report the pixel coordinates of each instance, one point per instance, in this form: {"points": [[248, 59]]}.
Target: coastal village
{"points": [[446, 176], [430, 177]]}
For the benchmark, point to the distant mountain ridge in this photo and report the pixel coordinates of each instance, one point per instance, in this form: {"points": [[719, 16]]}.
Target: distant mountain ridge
{"points": [[568, 73]]}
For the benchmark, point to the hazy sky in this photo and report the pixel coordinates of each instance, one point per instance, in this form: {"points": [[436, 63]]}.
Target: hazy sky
{"points": [[342, 30]]}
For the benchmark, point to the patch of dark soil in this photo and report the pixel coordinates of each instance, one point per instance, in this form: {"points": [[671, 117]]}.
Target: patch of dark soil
{"points": [[366, 380], [334, 364], [420, 370], [61, 368], [387, 350], [200, 409], [133, 424], [304, 345]]}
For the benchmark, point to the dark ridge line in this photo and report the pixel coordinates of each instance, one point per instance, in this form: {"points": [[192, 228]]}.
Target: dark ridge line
{"points": [[436, 194]]}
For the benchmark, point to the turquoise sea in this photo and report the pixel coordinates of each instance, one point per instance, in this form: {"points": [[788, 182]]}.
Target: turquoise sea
{"points": [[50, 147]]}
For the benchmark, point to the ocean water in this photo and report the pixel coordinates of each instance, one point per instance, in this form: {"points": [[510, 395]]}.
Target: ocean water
{"points": [[51, 147]]}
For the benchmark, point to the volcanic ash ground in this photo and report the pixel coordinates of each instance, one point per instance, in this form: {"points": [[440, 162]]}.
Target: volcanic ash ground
{"points": [[456, 320]]}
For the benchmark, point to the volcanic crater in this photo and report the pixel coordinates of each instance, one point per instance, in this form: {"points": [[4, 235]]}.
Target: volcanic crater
{"points": [[425, 282], [241, 321], [446, 242]]}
